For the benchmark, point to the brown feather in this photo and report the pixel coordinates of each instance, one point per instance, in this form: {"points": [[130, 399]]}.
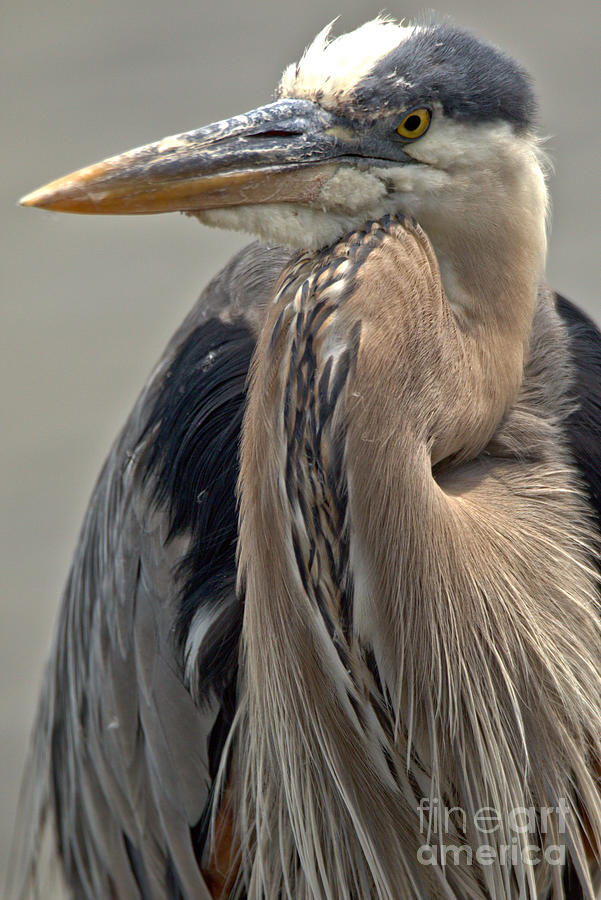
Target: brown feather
{"points": [[472, 671]]}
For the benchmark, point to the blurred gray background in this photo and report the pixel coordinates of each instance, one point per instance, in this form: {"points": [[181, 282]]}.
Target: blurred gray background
{"points": [[88, 303]]}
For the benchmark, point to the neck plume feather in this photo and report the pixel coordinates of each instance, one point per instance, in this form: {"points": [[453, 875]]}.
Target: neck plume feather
{"points": [[420, 632]]}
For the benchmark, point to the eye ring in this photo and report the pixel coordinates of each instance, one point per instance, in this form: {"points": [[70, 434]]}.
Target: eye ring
{"points": [[415, 123]]}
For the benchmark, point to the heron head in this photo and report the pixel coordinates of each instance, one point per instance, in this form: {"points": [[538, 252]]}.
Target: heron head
{"points": [[424, 120]]}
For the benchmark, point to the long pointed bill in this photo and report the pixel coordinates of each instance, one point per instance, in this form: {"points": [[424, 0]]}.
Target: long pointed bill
{"points": [[281, 152]]}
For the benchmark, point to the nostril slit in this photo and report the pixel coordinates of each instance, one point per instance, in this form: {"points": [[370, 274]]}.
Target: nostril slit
{"points": [[275, 134]]}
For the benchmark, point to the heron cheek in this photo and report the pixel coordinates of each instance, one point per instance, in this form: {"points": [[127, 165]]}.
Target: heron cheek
{"points": [[352, 189]]}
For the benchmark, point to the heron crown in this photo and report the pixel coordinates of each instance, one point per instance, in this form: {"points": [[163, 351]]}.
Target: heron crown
{"points": [[384, 66]]}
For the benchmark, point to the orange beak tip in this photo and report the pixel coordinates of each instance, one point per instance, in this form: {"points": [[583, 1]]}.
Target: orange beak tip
{"points": [[31, 199], [47, 197]]}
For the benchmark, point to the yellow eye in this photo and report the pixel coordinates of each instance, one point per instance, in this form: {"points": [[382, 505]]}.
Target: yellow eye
{"points": [[415, 123]]}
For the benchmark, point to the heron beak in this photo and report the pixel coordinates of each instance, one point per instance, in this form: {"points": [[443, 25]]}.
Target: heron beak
{"points": [[282, 152]]}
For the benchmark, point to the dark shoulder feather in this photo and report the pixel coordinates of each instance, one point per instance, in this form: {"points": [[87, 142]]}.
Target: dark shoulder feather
{"points": [[196, 422], [584, 423]]}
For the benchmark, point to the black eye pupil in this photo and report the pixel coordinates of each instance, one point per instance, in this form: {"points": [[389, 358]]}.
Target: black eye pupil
{"points": [[412, 122]]}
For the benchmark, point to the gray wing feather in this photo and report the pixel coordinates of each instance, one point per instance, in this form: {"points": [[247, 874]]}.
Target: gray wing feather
{"points": [[118, 765]]}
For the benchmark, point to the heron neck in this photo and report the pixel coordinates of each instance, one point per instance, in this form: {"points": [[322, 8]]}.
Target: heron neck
{"points": [[492, 254], [352, 543]]}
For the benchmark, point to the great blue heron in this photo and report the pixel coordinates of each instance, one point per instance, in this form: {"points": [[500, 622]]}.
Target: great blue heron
{"points": [[395, 648]]}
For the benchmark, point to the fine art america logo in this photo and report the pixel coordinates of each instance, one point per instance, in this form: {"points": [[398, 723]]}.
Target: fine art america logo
{"points": [[443, 829]]}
